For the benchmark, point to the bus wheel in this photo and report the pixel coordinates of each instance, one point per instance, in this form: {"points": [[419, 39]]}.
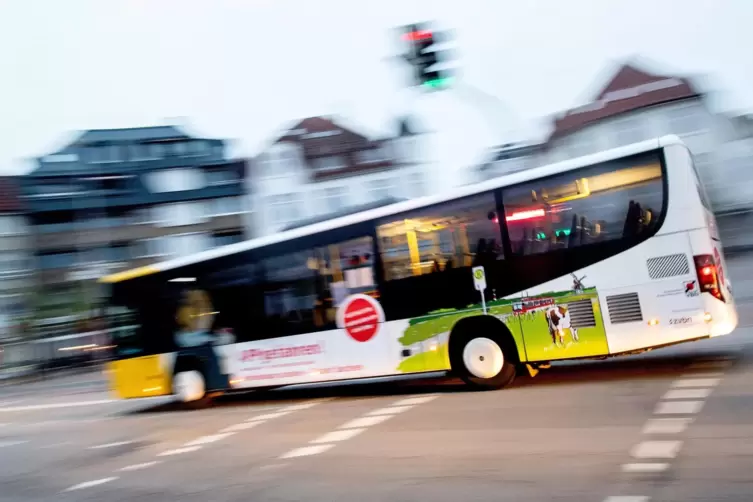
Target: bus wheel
{"points": [[189, 386], [483, 361]]}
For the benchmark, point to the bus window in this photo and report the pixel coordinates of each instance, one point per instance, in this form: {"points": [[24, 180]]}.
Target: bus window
{"points": [[456, 234], [603, 203]]}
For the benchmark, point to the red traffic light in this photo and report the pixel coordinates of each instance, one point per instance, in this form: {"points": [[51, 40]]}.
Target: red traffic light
{"points": [[414, 36]]}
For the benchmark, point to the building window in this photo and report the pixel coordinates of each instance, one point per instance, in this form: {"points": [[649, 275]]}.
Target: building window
{"points": [[591, 205], [227, 238], [180, 214], [416, 182], [10, 225], [332, 163], [685, 120], [57, 260], [284, 208], [13, 263], [227, 205], [156, 150], [221, 177], [335, 199], [458, 234], [380, 189], [371, 156], [175, 180]]}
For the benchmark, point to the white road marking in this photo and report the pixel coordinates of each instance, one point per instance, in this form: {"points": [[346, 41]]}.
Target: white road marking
{"points": [[240, 427], [687, 394], [178, 451], [696, 382], [390, 410], [678, 407], [269, 416], [645, 467], [336, 436], [138, 467], [304, 406], [3, 444], [307, 451], [52, 406], [365, 422], [272, 466], [657, 449], [213, 438], [627, 498], [666, 425], [110, 445], [416, 400], [89, 484]]}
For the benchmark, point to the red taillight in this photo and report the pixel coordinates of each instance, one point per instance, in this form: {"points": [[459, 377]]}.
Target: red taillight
{"points": [[708, 277]]}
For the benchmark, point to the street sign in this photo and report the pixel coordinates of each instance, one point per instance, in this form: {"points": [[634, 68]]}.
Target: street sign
{"points": [[479, 278]]}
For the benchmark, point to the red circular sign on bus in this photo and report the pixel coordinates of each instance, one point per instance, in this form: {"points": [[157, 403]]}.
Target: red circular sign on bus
{"points": [[360, 316]]}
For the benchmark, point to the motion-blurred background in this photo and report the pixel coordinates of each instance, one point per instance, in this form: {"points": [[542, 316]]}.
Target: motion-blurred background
{"points": [[135, 131]]}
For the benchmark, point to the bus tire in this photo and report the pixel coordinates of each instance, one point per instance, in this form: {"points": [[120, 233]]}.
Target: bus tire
{"points": [[189, 386], [483, 353]]}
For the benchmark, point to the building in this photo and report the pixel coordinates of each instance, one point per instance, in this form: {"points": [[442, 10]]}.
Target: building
{"points": [[507, 159], [15, 262], [319, 167], [118, 198], [636, 104]]}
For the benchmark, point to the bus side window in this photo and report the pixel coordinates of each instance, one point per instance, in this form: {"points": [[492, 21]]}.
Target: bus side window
{"points": [[606, 202]]}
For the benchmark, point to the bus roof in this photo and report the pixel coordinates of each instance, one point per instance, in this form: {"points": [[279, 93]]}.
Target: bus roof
{"points": [[399, 207]]}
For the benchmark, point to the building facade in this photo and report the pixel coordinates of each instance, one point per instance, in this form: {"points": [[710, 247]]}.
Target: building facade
{"points": [[636, 105], [118, 198], [15, 257], [507, 159], [319, 167]]}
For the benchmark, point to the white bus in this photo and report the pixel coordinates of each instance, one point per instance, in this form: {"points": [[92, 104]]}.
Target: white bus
{"points": [[605, 255]]}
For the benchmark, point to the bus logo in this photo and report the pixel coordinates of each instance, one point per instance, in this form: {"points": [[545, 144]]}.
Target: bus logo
{"points": [[360, 317]]}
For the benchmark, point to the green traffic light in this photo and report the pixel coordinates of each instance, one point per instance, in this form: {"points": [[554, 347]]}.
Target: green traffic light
{"points": [[438, 82]]}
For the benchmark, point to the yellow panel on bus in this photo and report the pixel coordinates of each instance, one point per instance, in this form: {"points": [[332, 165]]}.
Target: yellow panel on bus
{"points": [[140, 377]]}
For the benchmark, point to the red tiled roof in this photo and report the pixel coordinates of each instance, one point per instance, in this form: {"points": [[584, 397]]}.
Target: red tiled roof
{"points": [[10, 195], [630, 89], [345, 144]]}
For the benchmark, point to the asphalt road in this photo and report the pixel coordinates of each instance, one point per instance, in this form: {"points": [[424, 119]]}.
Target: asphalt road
{"points": [[672, 425]]}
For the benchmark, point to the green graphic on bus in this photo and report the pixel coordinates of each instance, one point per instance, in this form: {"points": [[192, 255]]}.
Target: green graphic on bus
{"points": [[546, 327]]}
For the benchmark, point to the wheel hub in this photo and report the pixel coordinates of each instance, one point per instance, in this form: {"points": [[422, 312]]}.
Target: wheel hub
{"points": [[483, 358]]}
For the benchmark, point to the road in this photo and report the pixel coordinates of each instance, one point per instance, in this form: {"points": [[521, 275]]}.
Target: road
{"points": [[672, 425]]}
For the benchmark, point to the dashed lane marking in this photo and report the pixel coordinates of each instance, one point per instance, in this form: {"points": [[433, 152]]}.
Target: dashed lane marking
{"points": [[89, 484], [179, 451], [365, 422], [307, 451], [696, 382], [138, 467], [356, 426], [390, 410], [627, 498], [666, 425], [645, 467], [678, 407], [213, 438], [52, 406], [110, 445], [240, 427], [687, 394], [4, 444], [657, 449], [270, 416], [337, 436]]}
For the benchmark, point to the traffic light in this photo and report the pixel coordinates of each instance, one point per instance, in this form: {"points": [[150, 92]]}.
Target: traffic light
{"points": [[423, 56]]}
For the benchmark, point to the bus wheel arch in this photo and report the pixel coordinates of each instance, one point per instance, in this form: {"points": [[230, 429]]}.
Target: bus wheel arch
{"points": [[483, 352], [189, 382]]}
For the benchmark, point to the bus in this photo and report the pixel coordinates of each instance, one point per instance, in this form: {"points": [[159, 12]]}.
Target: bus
{"points": [[620, 248]]}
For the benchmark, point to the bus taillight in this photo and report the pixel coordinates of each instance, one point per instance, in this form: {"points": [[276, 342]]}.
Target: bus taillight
{"points": [[708, 276]]}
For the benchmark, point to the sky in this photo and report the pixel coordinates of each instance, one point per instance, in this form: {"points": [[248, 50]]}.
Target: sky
{"points": [[243, 69]]}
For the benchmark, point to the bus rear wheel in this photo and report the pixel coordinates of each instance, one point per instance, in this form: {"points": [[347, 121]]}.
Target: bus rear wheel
{"points": [[189, 387], [483, 362]]}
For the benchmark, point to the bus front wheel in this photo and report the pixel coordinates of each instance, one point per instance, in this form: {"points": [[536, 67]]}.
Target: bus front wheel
{"points": [[189, 387], [483, 361]]}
